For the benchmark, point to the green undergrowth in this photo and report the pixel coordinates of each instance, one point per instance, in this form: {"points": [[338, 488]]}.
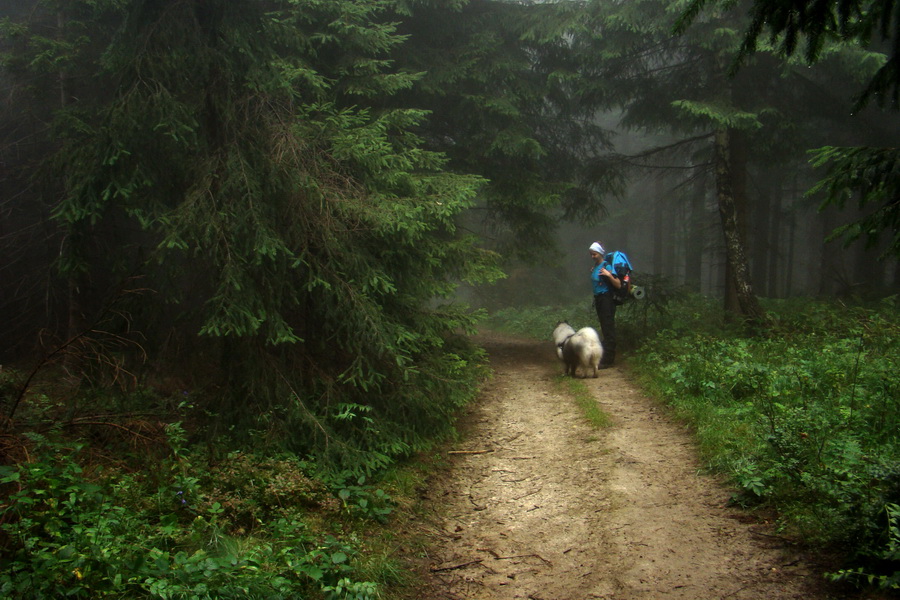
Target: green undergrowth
{"points": [[246, 527], [144, 494], [130, 505], [803, 418], [538, 322]]}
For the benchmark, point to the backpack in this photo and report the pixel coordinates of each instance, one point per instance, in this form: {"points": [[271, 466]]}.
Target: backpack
{"points": [[621, 266]]}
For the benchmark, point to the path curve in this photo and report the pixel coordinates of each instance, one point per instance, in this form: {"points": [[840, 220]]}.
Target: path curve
{"points": [[539, 505]]}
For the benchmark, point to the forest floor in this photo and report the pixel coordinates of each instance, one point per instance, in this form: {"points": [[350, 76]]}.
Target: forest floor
{"points": [[538, 504]]}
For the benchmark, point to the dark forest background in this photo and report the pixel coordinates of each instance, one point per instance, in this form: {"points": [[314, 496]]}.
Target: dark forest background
{"points": [[587, 121], [258, 235]]}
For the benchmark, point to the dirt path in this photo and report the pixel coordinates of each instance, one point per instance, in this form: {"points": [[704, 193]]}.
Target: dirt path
{"points": [[539, 505]]}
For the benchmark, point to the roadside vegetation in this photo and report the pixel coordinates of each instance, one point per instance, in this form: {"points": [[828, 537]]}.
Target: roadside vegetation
{"points": [[804, 419], [249, 526], [144, 501]]}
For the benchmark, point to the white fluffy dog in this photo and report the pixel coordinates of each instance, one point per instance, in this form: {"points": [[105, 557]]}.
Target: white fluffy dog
{"points": [[582, 349], [562, 332]]}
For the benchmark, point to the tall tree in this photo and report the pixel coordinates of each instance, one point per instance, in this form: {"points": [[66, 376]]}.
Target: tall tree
{"points": [[868, 172], [220, 150], [678, 84], [731, 197], [682, 84], [500, 80]]}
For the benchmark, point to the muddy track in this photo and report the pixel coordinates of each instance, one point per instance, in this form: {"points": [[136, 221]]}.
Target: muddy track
{"points": [[537, 504]]}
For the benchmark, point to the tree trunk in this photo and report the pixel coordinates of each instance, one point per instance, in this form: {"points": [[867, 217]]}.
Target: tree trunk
{"points": [[774, 270], [828, 271], [72, 243], [659, 219], [741, 302], [693, 256], [787, 288], [760, 224]]}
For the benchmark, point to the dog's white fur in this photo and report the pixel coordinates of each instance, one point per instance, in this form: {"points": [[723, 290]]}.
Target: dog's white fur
{"points": [[583, 350], [562, 332]]}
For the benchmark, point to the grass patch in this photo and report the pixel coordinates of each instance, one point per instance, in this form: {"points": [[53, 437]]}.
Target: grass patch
{"points": [[584, 398]]}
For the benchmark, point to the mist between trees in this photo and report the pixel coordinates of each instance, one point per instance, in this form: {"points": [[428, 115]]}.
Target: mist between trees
{"points": [[275, 202]]}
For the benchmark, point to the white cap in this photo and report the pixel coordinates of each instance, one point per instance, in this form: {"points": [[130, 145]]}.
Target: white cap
{"points": [[596, 247]]}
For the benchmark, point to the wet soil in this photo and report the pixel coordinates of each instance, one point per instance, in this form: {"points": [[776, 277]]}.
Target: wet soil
{"points": [[540, 505]]}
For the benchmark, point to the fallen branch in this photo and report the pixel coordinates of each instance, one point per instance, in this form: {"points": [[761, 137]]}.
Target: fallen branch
{"points": [[780, 538], [532, 493], [117, 426], [454, 567], [476, 505], [497, 556], [537, 556]]}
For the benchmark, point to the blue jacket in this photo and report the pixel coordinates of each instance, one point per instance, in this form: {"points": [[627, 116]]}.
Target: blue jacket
{"points": [[610, 261], [601, 284]]}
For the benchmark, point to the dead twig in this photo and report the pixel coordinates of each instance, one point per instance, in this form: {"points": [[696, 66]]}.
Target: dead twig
{"points": [[532, 493], [476, 505], [497, 556], [117, 426], [537, 556], [459, 566], [735, 592], [469, 451], [779, 538]]}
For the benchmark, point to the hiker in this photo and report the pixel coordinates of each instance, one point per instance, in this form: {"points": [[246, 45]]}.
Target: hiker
{"points": [[604, 281]]}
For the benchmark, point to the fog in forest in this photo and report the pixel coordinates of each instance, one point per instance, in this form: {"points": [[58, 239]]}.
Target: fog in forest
{"points": [[668, 223], [665, 216]]}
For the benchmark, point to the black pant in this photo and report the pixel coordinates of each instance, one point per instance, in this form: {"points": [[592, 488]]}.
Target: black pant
{"points": [[606, 312]]}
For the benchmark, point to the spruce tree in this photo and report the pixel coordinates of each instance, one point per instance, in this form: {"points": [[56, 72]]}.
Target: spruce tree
{"points": [[231, 154], [754, 120], [501, 83], [865, 175]]}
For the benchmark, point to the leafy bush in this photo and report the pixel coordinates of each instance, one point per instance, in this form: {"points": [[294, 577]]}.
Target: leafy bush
{"points": [[890, 554], [371, 430], [250, 490], [805, 420], [362, 500], [68, 533]]}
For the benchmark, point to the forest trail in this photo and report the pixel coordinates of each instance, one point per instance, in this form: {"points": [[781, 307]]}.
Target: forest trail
{"points": [[539, 505]]}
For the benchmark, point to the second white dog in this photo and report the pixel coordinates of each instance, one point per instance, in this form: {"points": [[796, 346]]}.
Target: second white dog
{"points": [[562, 332], [582, 349]]}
